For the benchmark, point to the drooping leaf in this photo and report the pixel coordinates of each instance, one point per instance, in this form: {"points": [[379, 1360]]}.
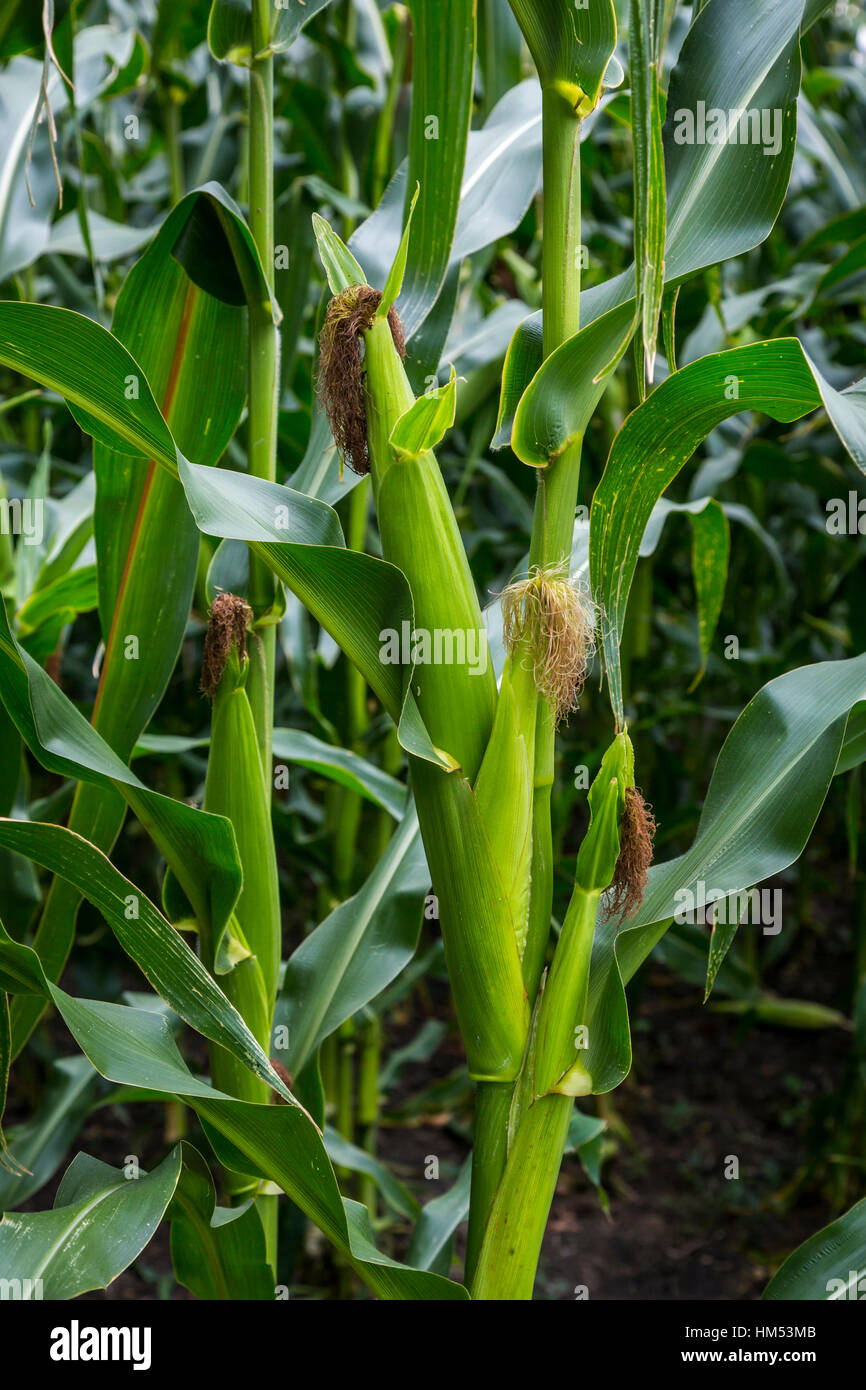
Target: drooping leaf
{"points": [[199, 847], [135, 1047], [40, 1144], [343, 766], [764, 797], [661, 435], [230, 28], [100, 1223], [571, 46], [160, 952], [830, 1265]]}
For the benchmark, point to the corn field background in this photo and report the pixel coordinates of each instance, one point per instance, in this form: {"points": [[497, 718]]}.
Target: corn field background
{"points": [[433, 650]]}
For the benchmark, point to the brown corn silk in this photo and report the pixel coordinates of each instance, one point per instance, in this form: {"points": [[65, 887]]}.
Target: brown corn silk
{"points": [[230, 617], [636, 830], [341, 369]]}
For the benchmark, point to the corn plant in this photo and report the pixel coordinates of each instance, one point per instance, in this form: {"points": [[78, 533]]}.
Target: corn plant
{"points": [[184, 397]]}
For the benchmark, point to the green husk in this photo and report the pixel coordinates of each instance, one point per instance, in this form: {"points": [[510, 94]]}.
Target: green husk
{"points": [[236, 788], [482, 888], [420, 535], [558, 1063]]}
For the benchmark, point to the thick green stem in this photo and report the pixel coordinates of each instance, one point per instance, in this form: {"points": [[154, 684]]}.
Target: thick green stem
{"points": [[264, 347], [561, 246], [556, 497], [518, 1215], [512, 1241], [492, 1105], [264, 377], [368, 1102]]}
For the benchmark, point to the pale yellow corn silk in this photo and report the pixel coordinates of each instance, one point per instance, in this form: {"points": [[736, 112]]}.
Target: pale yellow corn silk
{"points": [[552, 619]]}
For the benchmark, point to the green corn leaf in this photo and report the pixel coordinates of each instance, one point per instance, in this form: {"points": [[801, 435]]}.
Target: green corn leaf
{"points": [[199, 847], [230, 27], [499, 49], [561, 399], [394, 282], [431, 1246], [442, 95], [217, 1252], [662, 434], [188, 337], [803, 1014], [343, 766], [570, 46], [159, 951], [830, 1265], [41, 619], [711, 548], [649, 175], [721, 201], [355, 953], [100, 1223], [765, 794], [135, 1047], [40, 1144], [349, 1156], [733, 512], [341, 268], [425, 424], [854, 748], [101, 382]]}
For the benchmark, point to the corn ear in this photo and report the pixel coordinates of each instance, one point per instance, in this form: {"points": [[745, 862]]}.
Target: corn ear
{"points": [[481, 949], [420, 535], [470, 847], [236, 788], [558, 1065], [504, 791]]}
